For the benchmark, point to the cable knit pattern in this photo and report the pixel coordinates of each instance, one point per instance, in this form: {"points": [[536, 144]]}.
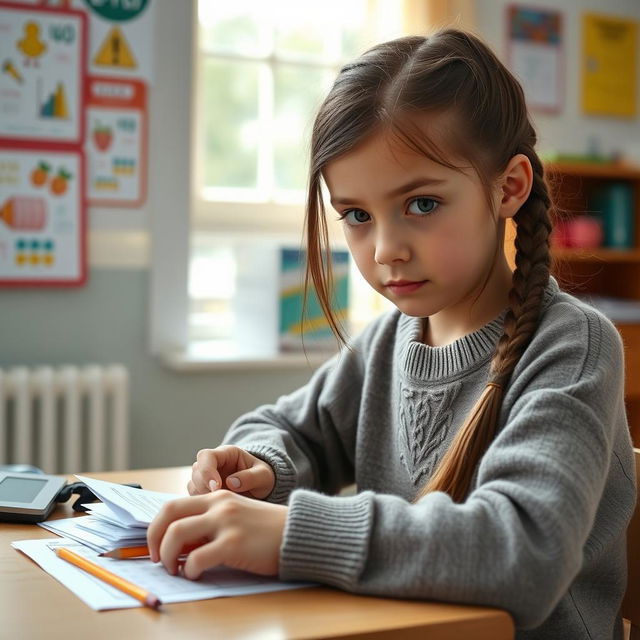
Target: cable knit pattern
{"points": [[425, 420], [542, 532]]}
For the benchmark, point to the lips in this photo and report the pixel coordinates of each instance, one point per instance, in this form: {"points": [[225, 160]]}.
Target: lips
{"points": [[403, 287]]}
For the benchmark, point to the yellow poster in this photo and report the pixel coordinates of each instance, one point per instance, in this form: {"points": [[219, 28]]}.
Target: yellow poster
{"points": [[609, 65]]}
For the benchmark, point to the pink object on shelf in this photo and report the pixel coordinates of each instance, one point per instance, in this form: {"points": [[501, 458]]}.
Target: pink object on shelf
{"points": [[560, 236], [584, 232]]}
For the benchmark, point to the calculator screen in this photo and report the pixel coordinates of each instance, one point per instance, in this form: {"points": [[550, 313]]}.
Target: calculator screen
{"points": [[20, 489]]}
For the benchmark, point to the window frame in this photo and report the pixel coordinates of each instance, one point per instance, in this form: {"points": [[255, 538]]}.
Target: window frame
{"points": [[263, 209], [172, 127]]}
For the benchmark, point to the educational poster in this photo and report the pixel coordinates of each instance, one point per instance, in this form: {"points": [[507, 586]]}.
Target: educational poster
{"points": [[41, 217], [535, 55], [116, 142], [120, 34], [120, 37], [41, 78], [120, 50], [609, 66]]}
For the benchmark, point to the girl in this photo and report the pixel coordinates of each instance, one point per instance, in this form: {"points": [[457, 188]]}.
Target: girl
{"points": [[483, 422]]}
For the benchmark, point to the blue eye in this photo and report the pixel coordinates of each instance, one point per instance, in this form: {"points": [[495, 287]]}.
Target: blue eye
{"points": [[355, 217], [423, 206]]}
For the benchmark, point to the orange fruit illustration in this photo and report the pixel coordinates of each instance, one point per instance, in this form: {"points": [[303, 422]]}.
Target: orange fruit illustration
{"points": [[59, 183], [40, 174]]}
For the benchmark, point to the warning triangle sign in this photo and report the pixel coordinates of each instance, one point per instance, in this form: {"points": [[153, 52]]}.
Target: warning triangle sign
{"points": [[115, 51]]}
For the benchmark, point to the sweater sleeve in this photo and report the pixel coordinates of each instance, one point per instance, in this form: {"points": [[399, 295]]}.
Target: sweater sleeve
{"points": [[518, 540], [308, 437]]}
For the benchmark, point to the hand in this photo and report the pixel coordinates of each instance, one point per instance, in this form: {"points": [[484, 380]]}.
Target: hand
{"points": [[232, 530], [231, 467]]}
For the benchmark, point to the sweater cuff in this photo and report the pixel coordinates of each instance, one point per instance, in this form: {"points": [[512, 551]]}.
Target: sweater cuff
{"points": [[326, 539], [282, 468]]}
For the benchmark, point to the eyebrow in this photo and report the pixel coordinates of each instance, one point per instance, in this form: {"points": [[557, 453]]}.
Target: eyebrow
{"points": [[409, 186]]}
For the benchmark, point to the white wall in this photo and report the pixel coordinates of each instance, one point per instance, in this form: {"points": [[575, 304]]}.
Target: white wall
{"points": [[570, 130]]}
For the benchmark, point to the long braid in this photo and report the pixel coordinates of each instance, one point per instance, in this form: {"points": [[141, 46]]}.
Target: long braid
{"points": [[530, 278]]}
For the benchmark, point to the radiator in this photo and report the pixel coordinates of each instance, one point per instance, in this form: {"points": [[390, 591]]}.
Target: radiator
{"points": [[65, 420]]}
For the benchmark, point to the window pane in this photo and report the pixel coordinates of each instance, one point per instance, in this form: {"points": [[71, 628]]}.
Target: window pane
{"points": [[298, 91], [312, 30], [303, 38], [355, 40], [230, 118], [234, 27], [211, 285]]}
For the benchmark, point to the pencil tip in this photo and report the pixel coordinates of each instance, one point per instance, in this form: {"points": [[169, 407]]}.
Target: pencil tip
{"points": [[152, 601]]}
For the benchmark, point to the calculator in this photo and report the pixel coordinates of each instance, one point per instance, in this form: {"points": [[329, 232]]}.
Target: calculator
{"points": [[28, 497]]}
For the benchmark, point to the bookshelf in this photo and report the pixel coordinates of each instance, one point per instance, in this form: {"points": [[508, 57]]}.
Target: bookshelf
{"points": [[601, 271]]}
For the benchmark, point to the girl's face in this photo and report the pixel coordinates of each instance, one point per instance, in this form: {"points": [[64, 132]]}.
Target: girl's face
{"points": [[421, 234]]}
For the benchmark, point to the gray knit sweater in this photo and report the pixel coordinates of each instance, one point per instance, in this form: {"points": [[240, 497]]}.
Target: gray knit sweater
{"points": [[541, 534]]}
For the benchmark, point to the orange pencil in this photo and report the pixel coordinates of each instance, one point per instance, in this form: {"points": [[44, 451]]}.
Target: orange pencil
{"points": [[139, 552], [144, 596], [126, 552]]}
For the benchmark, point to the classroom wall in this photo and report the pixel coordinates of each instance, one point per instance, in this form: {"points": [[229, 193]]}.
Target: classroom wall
{"points": [[174, 414], [569, 131]]}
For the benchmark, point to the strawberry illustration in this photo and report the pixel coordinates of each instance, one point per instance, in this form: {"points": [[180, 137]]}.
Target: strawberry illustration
{"points": [[102, 136]]}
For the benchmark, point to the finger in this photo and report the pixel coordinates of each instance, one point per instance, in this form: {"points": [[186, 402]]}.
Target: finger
{"points": [[206, 468], [257, 480], [200, 480], [197, 482], [192, 490], [181, 533], [205, 557], [171, 511]]}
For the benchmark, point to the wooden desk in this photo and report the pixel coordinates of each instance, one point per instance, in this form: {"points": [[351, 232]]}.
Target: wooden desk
{"points": [[34, 605]]}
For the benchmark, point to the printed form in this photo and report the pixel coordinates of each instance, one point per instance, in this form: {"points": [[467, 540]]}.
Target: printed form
{"points": [[130, 510], [214, 583]]}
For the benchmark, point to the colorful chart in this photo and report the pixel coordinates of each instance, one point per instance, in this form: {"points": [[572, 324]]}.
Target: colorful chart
{"points": [[116, 141], [43, 58], [41, 217], [56, 104], [609, 65]]}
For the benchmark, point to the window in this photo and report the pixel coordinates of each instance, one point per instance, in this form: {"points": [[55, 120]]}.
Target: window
{"points": [[262, 70], [206, 237]]}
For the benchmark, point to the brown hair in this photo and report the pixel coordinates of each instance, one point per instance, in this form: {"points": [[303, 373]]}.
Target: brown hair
{"points": [[451, 72]]}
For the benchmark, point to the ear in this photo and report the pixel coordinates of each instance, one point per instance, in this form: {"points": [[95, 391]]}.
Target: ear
{"points": [[514, 186]]}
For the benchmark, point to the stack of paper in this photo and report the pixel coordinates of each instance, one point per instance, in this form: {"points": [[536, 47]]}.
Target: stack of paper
{"points": [[214, 583], [120, 520]]}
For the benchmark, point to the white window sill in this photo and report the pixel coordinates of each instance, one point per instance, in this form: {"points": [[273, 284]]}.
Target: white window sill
{"points": [[225, 356]]}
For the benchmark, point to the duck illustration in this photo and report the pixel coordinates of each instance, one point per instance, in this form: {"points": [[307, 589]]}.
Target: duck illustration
{"points": [[31, 45]]}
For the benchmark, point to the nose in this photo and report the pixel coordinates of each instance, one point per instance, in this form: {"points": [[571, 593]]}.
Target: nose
{"points": [[392, 245]]}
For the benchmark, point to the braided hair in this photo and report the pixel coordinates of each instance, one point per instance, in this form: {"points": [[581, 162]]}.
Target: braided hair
{"points": [[389, 88]]}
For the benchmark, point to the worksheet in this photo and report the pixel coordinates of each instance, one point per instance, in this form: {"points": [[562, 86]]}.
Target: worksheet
{"points": [[215, 583]]}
